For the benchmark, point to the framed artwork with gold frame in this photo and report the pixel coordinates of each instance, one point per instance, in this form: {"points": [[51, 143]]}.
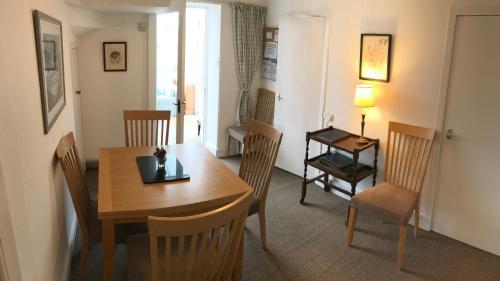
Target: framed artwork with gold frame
{"points": [[375, 57]]}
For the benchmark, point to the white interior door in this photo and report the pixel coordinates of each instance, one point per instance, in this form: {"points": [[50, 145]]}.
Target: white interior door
{"points": [[75, 78], [299, 81], [170, 67], [468, 191]]}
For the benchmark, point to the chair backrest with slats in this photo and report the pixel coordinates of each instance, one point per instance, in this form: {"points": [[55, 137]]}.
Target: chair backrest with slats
{"points": [[264, 111], [261, 146], [146, 127], [67, 154], [203, 247], [407, 156]]}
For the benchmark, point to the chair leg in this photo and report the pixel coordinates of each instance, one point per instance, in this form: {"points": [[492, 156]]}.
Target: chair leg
{"points": [[130, 269], [353, 215], [402, 245], [83, 261], [417, 219], [228, 145], [262, 224]]}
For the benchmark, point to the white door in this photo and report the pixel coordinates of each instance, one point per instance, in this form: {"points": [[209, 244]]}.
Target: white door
{"points": [[75, 77], [170, 66], [468, 192], [299, 81]]}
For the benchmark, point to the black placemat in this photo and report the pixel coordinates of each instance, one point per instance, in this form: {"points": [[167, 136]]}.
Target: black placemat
{"points": [[148, 167]]}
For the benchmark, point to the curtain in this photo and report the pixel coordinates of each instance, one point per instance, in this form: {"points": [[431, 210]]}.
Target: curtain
{"points": [[248, 25]]}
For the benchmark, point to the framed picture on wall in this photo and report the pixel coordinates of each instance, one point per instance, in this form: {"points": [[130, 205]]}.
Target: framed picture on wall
{"points": [[375, 57], [49, 49], [115, 56]]}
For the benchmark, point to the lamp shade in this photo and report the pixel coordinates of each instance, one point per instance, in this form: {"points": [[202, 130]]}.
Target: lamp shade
{"points": [[364, 96]]}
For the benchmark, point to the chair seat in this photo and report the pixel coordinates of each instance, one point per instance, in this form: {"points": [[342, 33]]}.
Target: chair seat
{"points": [[254, 206], [237, 132], [389, 201], [94, 226]]}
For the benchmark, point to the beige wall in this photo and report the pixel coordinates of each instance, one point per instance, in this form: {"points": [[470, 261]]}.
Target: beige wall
{"points": [[106, 94], [34, 185], [419, 29]]}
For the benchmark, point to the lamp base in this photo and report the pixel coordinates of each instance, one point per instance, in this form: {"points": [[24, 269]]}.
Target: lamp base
{"points": [[362, 140]]}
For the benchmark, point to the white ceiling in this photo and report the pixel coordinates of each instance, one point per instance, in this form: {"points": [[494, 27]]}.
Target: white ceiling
{"points": [[123, 6]]}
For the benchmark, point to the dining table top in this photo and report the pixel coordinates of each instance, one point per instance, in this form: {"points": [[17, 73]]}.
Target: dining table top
{"points": [[123, 195]]}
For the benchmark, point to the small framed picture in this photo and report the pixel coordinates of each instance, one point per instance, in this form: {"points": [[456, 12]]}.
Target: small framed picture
{"points": [[375, 57], [115, 56], [49, 51]]}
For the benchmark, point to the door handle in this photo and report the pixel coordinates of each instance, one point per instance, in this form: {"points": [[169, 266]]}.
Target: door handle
{"points": [[179, 104], [78, 92], [450, 134]]}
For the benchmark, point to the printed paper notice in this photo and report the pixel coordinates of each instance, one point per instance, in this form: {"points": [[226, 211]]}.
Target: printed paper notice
{"points": [[270, 61]]}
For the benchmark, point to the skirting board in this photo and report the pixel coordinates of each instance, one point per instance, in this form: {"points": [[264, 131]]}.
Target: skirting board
{"points": [[69, 253], [219, 153]]}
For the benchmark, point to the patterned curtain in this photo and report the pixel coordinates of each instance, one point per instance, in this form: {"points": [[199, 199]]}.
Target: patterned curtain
{"points": [[248, 25]]}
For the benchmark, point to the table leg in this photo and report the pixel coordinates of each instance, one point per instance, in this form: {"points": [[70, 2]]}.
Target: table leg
{"points": [[108, 239]]}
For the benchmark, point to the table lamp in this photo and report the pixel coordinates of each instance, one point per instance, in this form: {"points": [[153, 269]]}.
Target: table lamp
{"points": [[364, 98]]}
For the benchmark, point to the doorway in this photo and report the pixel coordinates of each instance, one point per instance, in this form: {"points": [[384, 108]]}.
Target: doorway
{"points": [[77, 102], [467, 191], [300, 85], [202, 37]]}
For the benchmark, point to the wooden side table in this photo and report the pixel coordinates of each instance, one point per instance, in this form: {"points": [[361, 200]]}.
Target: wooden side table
{"points": [[352, 174]]}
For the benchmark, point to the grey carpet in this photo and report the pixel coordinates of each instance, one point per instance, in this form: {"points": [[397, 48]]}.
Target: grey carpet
{"points": [[307, 242]]}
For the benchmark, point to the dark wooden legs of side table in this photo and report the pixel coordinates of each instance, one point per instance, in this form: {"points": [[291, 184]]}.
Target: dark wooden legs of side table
{"points": [[304, 186], [304, 183]]}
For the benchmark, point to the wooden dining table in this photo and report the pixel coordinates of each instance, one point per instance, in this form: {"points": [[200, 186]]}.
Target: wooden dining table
{"points": [[124, 198]]}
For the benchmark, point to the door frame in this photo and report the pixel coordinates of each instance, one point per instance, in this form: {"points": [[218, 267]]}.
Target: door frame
{"points": [[455, 12]]}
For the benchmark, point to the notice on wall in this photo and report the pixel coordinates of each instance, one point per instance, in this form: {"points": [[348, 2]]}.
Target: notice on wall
{"points": [[270, 56]]}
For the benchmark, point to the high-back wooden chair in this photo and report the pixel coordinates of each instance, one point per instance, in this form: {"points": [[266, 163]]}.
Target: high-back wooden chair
{"points": [[85, 208], [202, 247], [70, 163], [146, 127], [264, 112], [396, 199], [261, 146]]}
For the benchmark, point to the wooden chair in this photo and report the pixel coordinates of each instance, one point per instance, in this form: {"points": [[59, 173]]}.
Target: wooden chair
{"points": [[264, 112], [86, 209], [146, 127], [396, 199], [202, 247], [261, 146]]}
